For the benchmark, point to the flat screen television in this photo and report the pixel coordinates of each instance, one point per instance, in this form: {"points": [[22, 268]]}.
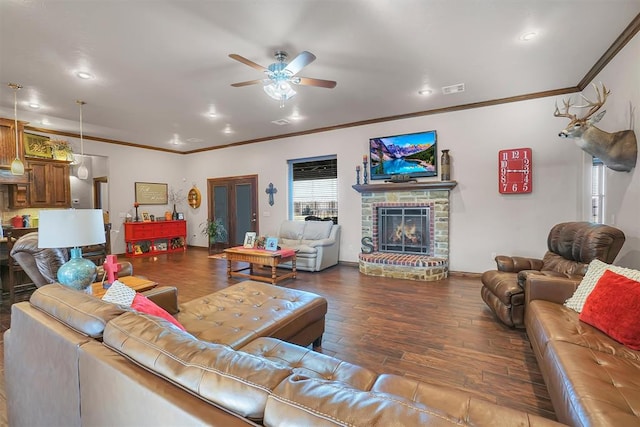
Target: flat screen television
{"points": [[412, 154]]}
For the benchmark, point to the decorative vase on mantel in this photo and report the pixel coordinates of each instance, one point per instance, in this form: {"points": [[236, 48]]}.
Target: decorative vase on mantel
{"points": [[445, 166]]}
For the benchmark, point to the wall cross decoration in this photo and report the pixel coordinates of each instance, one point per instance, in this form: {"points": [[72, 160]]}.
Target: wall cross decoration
{"points": [[271, 190]]}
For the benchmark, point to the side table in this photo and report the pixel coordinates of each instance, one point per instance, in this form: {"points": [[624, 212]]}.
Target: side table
{"points": [[137, 283]]}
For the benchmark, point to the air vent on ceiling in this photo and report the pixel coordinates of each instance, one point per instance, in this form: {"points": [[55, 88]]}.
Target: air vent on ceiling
{"points": [[281, 122], [448, 90]]}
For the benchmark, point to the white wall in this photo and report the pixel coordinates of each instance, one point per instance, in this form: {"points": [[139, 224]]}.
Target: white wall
{"points": [[483, 222], [127, 165], [622, 203]]}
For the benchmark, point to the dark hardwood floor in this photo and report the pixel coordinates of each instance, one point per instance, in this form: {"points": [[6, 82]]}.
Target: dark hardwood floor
{"points": [[437, 332]]}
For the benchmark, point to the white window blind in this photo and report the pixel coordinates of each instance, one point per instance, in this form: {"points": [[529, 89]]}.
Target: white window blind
{"points": [[314, 189], [597, 191]]}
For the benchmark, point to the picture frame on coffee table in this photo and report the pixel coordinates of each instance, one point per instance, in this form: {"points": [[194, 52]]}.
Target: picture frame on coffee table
{"points": [[249, 239], [271, 244]]}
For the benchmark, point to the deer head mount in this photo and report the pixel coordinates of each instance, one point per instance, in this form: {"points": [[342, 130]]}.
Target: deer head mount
{"points": [[617, 150]]}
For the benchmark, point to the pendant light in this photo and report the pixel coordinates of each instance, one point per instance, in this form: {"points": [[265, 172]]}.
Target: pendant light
{"points": [[83, 173], [17, 167]]}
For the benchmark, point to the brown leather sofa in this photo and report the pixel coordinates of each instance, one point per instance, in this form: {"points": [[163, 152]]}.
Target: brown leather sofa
{"points": [[592, 379], [71, 359], [571, 247]]}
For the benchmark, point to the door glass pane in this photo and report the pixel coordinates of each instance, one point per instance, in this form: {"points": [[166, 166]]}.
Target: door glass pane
{"points": [[221, 204], [244, 212]]}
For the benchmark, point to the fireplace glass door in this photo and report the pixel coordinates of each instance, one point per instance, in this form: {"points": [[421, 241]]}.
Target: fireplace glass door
{"points": [[403, 230]]}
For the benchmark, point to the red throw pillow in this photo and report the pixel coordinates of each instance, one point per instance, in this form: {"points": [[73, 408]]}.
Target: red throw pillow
{"points": [[144, 305], [613, 307]]}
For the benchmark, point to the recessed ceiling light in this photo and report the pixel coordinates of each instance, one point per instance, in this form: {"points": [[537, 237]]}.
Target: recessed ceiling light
{"points": [[528, 36], [34, 105], [425, 92], [84, 75], [212, 115], [194, 140], [227, 130], [44, 122]]}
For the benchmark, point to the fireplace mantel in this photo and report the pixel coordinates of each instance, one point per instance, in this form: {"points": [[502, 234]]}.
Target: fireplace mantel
{"points": [[406, 186]]}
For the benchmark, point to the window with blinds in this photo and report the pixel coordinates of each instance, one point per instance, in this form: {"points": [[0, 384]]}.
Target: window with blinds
{"points": [[314, 188], [597, 191]]}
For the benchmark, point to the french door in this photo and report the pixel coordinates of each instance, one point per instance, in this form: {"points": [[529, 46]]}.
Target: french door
{"points": [[234, 200]]}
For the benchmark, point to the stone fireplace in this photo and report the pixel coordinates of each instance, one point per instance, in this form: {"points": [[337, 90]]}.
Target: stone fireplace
{"points": [[408, 229]]}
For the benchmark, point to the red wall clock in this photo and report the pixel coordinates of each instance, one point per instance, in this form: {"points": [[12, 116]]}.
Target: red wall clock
{"points": [[514, 171]]}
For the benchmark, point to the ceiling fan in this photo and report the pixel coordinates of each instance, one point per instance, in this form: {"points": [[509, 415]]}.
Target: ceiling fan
{"points": [[280, 75]]}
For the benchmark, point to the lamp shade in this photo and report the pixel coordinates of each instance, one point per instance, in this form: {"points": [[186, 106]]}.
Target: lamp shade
{"points": [[71, 228], [67, 228]]}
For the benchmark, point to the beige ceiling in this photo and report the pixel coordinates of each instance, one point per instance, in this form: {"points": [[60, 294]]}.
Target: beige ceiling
{"points": [[160, 66]]}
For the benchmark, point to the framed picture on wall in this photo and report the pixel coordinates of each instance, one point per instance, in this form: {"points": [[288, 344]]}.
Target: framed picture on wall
{"points": [[151, 193], [249, 239]]}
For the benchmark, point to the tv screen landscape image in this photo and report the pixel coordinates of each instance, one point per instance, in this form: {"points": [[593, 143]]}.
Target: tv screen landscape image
{"points": [[412, 154]]}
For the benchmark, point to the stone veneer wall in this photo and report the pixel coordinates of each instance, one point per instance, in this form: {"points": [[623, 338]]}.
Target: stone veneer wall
{"points": [[407, 266], [437, 199]]}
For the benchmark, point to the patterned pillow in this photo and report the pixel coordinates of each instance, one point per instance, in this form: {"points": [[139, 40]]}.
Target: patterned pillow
{"points": [[121, 294], [594, 272]]}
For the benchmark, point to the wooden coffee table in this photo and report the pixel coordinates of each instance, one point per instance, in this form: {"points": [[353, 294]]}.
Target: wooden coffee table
{"points": [[261, 257], [138, 284]]}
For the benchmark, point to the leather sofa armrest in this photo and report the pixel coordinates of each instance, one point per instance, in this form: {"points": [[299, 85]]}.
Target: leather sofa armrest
{"points": [[548, 286], [166, 297], [126, 269], [516, 264]]}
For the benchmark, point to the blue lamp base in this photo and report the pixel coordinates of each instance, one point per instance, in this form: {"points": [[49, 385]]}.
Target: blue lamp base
{"points": [[77, 273]]}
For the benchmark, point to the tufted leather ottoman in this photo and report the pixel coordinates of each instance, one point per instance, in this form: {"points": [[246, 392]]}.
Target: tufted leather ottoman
{"points": [[248, 310]]}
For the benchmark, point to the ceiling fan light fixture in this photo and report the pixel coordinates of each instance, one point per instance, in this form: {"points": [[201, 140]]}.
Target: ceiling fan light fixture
{"points": [[280, 91]]}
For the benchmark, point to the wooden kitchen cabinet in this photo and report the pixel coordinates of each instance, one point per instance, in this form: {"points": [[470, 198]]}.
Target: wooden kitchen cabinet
{"points": [[18, 196], [50, 185]]}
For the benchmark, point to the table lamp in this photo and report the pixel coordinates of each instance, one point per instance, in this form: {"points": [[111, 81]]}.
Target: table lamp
{"points": [[72, 228]]}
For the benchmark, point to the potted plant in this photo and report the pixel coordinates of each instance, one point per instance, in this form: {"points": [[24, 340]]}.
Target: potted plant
{"points": [[214, 228]]}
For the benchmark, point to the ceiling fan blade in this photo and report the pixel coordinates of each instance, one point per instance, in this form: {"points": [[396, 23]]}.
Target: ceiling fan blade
{"points": [[306, 81], [247, 62], [247, 83], [299, 62]]}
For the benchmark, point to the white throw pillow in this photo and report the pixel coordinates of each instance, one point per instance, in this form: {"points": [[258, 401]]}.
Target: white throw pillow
{"points": [[119, 293], [594, 272]]}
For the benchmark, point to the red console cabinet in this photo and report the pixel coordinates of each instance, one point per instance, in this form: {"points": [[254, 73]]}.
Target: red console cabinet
{"points": [[155, 238]]}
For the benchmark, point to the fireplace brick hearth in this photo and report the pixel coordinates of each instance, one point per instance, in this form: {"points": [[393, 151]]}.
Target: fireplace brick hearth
{"points": [[421, 267]]}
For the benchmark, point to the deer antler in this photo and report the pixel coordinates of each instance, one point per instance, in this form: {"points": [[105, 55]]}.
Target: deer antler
{"points": [[567, 105], [595, 106]]}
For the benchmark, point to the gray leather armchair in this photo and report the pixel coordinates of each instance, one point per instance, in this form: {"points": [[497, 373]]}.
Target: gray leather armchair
{"points": [[317, 243]]}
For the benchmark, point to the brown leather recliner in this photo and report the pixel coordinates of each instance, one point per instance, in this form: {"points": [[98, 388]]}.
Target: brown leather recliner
{"points": [[41, 265], [571, 247]]}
